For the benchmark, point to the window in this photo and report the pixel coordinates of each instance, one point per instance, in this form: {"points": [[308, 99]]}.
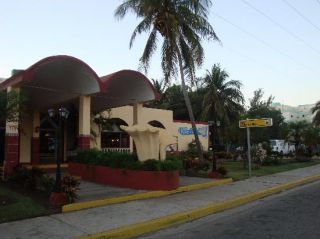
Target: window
{"points": [[114, 137], [111, 139]]}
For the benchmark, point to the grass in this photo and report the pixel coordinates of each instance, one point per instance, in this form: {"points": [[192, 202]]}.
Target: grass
{"points": [[237, 172], [19, 206]]}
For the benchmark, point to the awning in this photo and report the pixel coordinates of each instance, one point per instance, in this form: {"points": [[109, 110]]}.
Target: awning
{"points": [[59, 79]]}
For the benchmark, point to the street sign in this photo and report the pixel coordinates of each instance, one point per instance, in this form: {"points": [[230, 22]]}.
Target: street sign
{"points": [[249, 123]]}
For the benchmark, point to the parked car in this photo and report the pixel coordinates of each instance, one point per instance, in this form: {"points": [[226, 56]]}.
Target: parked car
{"points": [[281, 146]]}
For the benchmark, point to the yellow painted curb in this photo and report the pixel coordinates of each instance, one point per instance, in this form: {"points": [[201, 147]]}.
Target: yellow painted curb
{"points": [[178, 218], [139, 196]]}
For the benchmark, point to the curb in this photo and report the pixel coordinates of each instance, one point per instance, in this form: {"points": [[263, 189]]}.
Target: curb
{"points": [[135, 230], [139, 196]]}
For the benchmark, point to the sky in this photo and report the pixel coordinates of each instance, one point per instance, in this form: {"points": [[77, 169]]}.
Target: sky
{"points": [[268, 44]]}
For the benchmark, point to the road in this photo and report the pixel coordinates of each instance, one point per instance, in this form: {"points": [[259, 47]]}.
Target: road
{"points": [[288, 215]]}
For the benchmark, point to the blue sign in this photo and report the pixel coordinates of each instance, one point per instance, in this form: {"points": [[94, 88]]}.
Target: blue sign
{"points": [[203, 131]]}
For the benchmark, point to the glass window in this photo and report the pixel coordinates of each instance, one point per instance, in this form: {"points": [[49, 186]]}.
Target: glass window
{"points": [[115, 140]]}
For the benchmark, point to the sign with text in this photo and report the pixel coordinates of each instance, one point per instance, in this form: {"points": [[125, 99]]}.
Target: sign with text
{"points": [[250, 123], [202, 131]]}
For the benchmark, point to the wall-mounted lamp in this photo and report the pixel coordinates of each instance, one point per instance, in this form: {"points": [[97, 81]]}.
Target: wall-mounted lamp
{"points": [[36, 129]]}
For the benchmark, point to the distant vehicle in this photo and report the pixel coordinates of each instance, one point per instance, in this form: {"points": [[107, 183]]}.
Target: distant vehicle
{"points": [[281, 146]]}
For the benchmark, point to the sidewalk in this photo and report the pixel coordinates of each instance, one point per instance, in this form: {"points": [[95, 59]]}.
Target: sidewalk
{"points": [[101, 219], [93, 191]]}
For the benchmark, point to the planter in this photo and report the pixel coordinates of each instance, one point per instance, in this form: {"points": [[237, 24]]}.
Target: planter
{"points": [[57, 199], [145, 180]]}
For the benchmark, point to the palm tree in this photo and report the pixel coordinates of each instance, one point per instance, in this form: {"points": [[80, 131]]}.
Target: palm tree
{"points": [[12, 106], [316, 111], [182, 24], [160, 86], [297, 131], [223, 99]]}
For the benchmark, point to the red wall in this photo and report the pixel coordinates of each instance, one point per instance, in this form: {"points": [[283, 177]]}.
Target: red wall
{"points": [[146, 180]]}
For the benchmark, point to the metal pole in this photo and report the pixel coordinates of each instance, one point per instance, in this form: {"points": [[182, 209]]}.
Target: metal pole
{"points": [[214, 162], [249, 151], [57, 186]]}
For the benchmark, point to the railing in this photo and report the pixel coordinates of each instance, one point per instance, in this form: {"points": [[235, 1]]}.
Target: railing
{"points": [[120, 150]]}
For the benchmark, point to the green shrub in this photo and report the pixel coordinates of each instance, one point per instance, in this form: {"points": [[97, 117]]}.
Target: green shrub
{"points": [[136, 165], [208, 155], [197, 164], [91, 156], [302, 158], [273, 159], [172, 158], [222, 171], [25, 178], [302, 155], [19, 175], [126, 161], [192, 150], [109, 159], [45, 184], [70, 187], [223, 155], [150, 165], [33, 179], [171, 164]]}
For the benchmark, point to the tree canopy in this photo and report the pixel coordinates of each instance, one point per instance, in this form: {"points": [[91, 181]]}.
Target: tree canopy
{"points": [[316, 111], [11, 103], [222, 99], [260, 108]]}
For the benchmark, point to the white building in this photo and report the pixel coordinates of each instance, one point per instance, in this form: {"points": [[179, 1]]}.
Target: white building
{"points": [[295, 113]]}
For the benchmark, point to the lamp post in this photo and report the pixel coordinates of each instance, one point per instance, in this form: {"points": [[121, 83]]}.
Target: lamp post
{"points": [[62, 115], [213, 124]]}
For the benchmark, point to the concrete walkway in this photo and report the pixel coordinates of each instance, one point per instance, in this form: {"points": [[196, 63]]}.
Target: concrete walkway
{"points": [[93, 191], [91, 221]]}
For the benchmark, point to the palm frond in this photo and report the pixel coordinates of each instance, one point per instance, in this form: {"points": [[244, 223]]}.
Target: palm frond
{"points": [[149, 49], [130, 5], [143, 26]]}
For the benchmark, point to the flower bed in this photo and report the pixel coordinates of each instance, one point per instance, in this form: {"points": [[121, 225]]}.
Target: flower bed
{"points": [[136, 179]]}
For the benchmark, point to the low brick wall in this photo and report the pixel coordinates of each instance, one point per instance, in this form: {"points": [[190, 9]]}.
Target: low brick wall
{"points": [[145, 180]]}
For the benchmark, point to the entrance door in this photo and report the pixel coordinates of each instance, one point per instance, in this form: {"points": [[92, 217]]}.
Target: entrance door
{"points": [[2, 139], [47, 145], [47, 138]]}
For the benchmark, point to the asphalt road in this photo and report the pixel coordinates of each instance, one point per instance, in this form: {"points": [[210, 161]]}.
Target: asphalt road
{"points": [[288, 215]]}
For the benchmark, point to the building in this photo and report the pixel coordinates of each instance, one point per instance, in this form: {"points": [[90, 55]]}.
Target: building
{"points": [[114, 139], [59, 82], [64, 81], [295, 113]]}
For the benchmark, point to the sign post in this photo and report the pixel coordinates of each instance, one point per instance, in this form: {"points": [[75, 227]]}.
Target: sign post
{"points": [[250, 123], [249, 151]]}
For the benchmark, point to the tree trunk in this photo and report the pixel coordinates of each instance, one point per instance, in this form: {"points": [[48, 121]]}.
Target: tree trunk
{"points": [[189, 107]]}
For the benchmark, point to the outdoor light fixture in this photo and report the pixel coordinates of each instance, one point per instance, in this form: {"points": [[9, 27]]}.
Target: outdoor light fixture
{"points": [[214, 128], [36, 129], [51, 113], [61, 116], [63, 113]]}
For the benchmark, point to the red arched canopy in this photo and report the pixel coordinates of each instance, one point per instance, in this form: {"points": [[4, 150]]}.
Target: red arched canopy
{"points": [[58, 79]]}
